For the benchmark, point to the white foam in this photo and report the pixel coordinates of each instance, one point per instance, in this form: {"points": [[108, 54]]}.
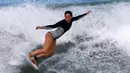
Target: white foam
{"points": [[105, 21]]}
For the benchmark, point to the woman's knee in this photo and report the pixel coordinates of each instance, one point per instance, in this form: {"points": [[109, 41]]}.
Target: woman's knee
{"points": [[51, 54], [47, 54]]}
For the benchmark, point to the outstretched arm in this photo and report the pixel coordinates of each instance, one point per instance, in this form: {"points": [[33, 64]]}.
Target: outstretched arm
{"points": [[48, 26], [80, 16]]}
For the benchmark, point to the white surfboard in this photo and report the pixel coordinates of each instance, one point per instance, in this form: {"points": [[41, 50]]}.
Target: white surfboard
{"points": [[28, 61]]}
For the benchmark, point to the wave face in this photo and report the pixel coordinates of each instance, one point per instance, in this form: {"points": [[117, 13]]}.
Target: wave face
{"points": [[60, 2], [97, 43]]}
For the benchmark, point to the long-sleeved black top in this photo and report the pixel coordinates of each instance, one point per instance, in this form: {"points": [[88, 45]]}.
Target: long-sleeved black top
{"points": [[65, 25]]}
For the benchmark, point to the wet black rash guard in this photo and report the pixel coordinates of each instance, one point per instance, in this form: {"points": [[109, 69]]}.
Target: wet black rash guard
{"points": [[62, 26]]}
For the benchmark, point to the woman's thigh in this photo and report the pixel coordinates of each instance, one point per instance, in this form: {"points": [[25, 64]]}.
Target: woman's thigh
{"points": [[48, 42]]}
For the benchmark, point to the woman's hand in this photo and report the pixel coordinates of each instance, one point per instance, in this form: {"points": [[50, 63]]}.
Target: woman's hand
{"points": [[38, 27], [88, 12]]}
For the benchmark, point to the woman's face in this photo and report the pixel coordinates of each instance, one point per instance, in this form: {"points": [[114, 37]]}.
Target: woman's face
{"points": [[68, 17]]}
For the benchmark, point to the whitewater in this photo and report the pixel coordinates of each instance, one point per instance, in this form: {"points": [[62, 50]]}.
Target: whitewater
{"points": [[97, 43]]}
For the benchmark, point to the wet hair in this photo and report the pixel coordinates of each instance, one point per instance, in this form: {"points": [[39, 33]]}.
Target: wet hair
{"points": [[68, 12]]}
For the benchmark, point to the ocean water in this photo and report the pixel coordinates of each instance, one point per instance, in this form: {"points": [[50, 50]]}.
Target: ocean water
{"points": [[97, 43]]}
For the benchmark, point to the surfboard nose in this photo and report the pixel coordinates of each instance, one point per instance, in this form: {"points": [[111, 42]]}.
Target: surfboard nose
{"points": [[29, 62]]}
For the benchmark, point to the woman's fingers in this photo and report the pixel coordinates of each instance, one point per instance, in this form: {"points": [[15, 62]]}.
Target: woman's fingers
{"points": [[88, 12], [37, 27]]}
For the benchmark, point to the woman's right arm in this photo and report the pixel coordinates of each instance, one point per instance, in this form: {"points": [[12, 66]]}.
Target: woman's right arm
{"points": [[39, 27], [45, 27], [49, 26]]}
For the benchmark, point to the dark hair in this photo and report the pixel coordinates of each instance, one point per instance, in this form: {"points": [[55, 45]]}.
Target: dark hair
{"points": [[69, 12]]}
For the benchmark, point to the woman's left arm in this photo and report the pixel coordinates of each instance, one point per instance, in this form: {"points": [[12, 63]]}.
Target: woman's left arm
{"points": [[80, 16]]}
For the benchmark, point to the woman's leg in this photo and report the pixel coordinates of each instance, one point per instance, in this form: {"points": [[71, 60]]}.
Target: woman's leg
{"points": [[50, 52], [53, 48], [47, 45]]}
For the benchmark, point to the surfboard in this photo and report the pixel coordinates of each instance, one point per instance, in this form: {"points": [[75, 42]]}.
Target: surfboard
{"points": [[28, 61]]}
